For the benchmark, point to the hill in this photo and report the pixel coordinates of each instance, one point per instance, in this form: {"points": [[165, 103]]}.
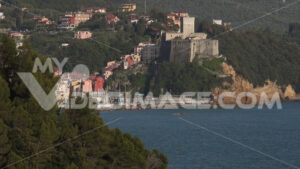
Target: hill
{"points": [[61, 5], [31, 137], [259, 56], [235, 11]]}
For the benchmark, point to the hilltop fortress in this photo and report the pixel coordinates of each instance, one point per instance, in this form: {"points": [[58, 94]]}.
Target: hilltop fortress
{"points": [[187, 45]]}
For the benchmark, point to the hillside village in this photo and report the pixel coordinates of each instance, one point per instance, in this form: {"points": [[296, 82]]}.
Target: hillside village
{"points": [[176, 41], [181, 43]]}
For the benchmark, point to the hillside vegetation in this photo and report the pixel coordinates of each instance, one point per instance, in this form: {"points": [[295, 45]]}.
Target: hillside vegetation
{"points": [[61, 5], [69, 139], [234, 11], [259, 56]]}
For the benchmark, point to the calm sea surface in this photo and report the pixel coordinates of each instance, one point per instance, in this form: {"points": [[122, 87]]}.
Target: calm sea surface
{"points": [[218, 139]]}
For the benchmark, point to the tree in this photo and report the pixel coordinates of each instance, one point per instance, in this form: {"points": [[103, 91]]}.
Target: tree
{"points": [[4, 144], [7, 57], [72, 139]]}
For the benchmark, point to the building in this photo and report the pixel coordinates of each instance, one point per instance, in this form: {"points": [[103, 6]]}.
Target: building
{"points": [[175, 17], [80, 17], [112, 19], [99, 84], [127, 8], [175, 20], [148, 52], [72, 20], [2, 16], [18, 38], [87, 86], [65, 45], [100, 10], [87, 10], [128, 62], [16, 35], [187, 30], [83, 35], [217, 22], [186, 50], [43, 20], [67, 22], [63, 90], [145, 17], [187, 45], [133, 18], [107, 74], [108, 70]]}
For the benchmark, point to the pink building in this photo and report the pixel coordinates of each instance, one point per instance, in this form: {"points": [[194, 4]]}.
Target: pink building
{"points": [[80, 17], [17, 35], [83, 35], [87, 86]]}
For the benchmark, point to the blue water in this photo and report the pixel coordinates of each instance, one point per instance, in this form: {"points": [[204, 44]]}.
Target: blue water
{"points": [[218, 139]]}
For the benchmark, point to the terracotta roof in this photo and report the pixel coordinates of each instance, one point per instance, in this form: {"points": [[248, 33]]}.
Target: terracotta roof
{"points": [[110, 16]]}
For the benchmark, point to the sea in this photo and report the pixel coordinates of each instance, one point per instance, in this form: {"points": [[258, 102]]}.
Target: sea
{"points": [[218, 138]]}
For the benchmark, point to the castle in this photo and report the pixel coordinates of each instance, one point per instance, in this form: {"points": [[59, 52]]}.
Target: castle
{"points": [[187, 45]]}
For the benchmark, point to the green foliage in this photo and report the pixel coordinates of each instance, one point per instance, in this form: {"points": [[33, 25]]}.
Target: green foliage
{"points": [[178, 78], [26, 129], [209, 28], [156, 13], [63, 6], [134, 80], [98, 22], [213, 64], [294, 33], [259, 56], [235, 11], [4, 143]]}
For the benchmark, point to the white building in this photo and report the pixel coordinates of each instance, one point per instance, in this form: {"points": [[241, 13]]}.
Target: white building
{"points": [[65, 45], [217, 22], [62, 92], [100, 10]]}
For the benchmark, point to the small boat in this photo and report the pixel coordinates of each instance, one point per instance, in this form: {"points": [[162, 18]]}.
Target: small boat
{"points": [[179, 114]]}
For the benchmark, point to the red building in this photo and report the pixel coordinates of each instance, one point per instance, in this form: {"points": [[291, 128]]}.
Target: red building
{"points": [[111, 18], [99, 84]]}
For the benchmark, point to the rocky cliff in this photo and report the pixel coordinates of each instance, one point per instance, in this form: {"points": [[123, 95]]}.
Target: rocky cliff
{"points": [[239, 84]]}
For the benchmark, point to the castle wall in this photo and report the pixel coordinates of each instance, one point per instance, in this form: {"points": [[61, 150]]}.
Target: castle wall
{"points": [[186, 50], [205, 48], [180, 51], [173, 35]]}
